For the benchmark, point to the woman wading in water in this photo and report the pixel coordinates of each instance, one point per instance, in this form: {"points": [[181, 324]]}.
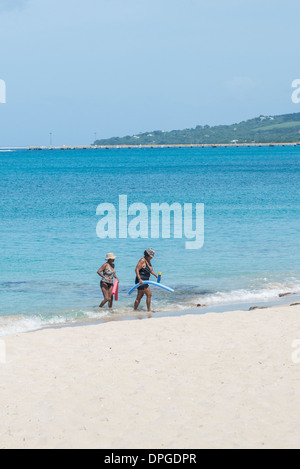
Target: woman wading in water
{"points": [[107, 273], [143, 271]]}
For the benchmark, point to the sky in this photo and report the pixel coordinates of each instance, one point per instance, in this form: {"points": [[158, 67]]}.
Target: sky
{"points": [[102, 68]]}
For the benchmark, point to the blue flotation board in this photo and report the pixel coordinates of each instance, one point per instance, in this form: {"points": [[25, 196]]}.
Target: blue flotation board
{"points": [[149, 282]]}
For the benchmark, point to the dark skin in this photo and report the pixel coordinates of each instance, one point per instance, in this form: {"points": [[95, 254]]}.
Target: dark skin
{"points": [[105, 287], [142, 264]]}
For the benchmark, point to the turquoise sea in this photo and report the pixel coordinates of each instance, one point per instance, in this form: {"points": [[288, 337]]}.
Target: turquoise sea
{"points": [[50, 251]]}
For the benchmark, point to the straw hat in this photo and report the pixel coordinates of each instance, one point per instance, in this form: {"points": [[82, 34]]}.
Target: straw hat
{"points": [[110, 255], [150, 252]]}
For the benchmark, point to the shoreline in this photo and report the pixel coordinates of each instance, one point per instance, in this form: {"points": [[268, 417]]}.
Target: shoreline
{"points": [[194, 381], [203, 310], [141, 314]]}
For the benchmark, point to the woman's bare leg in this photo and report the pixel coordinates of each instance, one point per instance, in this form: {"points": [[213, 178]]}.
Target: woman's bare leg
{"points": [[105, 290], [149, 296], [111, 298], [140, 295]]}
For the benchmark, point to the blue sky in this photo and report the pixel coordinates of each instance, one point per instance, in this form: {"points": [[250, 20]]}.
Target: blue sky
{"points": [[120, 67]]}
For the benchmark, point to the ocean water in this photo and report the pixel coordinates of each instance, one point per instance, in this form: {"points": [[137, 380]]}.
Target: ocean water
{"points": [[50, 252]]}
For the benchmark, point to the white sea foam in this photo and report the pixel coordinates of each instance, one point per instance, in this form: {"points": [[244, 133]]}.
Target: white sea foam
{"points": [[10, 325], [269, 292], [14, 324]]}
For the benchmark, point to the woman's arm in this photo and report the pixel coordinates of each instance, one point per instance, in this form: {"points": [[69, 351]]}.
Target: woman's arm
{"points": [[153, 273], [151, 270], [99, 272], [139, 266]]}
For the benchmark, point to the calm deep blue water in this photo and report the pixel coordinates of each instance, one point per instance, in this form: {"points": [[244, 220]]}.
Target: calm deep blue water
{"points": [[50, 251]]}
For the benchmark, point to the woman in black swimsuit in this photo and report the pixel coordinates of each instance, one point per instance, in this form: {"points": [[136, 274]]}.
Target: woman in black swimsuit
{"points": [[143, 271]]}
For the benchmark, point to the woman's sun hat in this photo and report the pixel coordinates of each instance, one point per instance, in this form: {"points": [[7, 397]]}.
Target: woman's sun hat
{"points": [[150, 252], [110, 255]]}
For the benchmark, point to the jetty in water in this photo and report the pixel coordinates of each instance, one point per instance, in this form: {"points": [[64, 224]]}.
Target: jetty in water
{"points": [[185, 145]]}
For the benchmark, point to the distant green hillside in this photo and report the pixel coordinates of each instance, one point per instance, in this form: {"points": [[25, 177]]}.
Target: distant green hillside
{"points": [[263, 129]]}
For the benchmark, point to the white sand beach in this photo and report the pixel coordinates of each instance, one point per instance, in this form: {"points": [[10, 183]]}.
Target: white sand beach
{"points": [[194, 381]]}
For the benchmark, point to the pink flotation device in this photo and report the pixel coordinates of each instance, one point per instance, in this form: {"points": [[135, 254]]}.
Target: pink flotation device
{"points": [[115, 290]]}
